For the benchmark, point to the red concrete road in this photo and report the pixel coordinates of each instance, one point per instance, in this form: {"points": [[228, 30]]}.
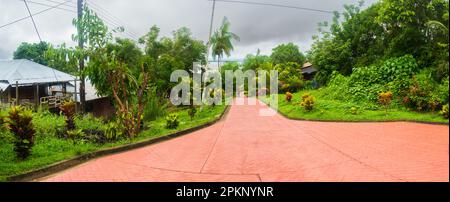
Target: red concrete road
{"points": [[248, 147]]}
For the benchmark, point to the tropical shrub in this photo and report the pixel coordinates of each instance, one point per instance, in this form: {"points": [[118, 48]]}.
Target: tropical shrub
{"points": [[398, 68], [354, 111], [94, 129], [285, 53], [308, 101], [365, 83], [2, 120], [424, 93], [48, 124], [5, 135], [20, 124], [289, 96], [75, 135], [113, 131], [338, 87], [290, 77], [68, 110], [444, 111], [385, 99], [155, 106], [172, 121], [88, 122], [192, 111]]}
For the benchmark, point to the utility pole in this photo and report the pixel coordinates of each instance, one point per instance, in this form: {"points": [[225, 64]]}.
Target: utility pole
{"points": [[81, 62], [210, 33]]}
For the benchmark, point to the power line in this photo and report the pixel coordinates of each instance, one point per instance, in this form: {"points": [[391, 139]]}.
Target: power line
{"points": [[34, 14], [210, 32], [275, 5], [47, 5], [109, 14], [110, 17], [73, 5], [107, 20], [115, 25], [32, 19]]}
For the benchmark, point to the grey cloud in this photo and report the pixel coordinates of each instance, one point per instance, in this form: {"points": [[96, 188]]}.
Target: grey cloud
{"points": [[258, 26]]}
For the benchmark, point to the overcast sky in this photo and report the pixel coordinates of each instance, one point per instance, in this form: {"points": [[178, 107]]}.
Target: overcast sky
{"points": [[259, 27]]}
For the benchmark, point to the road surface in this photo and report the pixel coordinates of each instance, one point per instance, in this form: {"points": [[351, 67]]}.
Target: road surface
{"points": [[251, 148]]}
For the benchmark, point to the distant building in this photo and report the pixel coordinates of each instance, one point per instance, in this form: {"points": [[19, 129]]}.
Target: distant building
{"points": [[309, 71], [23, 82]]}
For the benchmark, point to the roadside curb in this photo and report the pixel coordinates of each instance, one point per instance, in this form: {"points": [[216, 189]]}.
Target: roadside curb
{"points": [[363, 121], [66, 164]]}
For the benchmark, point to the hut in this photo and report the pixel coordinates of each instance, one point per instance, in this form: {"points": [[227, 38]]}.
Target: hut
{"points": [[308, 71], [23, 82]]}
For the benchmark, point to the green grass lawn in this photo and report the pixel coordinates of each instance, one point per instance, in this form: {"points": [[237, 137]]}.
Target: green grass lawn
{"points": [[49, 149], [335, 110]]}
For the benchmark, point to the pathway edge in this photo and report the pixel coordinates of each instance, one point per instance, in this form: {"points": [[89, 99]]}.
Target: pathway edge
{"points": [[66, 164]]}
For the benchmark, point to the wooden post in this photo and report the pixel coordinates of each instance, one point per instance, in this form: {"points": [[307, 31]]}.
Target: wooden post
{"points": [[81, 62], [17, 93], [76, 96], [36, 98], [9, 95]]}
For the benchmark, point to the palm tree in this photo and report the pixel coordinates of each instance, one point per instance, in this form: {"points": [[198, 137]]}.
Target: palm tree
{"points": [[221, 41], [438, 28]]}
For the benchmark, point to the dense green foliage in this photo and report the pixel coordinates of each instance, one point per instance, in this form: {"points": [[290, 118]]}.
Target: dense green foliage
{"points": [[172, 121], [328, 109], [62, 58], [416, 91], [287, 53], [68, 110], [290, 77], [34, 52], [400, 28], [19, 123], [255, 62], [404, 51], [170, 54]]}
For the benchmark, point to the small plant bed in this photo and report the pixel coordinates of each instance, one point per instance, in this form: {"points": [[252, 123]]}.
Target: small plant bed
{"points": [[327, 109], [50, 145]]}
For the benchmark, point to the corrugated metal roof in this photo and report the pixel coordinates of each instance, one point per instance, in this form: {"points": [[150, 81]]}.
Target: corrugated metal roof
{"points": [[307, 64], [3, 86], [309, 70], [91, 92], [26, 72]]}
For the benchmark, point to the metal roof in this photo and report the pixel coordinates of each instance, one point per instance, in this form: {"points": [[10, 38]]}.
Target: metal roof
{"points": [[91, 92], [26, 72], [309, 70]]}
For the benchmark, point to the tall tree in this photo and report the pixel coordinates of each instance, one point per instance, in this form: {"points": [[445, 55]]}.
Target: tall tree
{"points": [[62, 58], [386, 29], [253, 62], [34, 52], [170, 54], [285, 53], [121, 71], [221, 40]]}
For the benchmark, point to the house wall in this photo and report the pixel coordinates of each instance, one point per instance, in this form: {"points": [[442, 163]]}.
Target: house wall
{"points": [[309, 77], [26, 93], [101, 107]]}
